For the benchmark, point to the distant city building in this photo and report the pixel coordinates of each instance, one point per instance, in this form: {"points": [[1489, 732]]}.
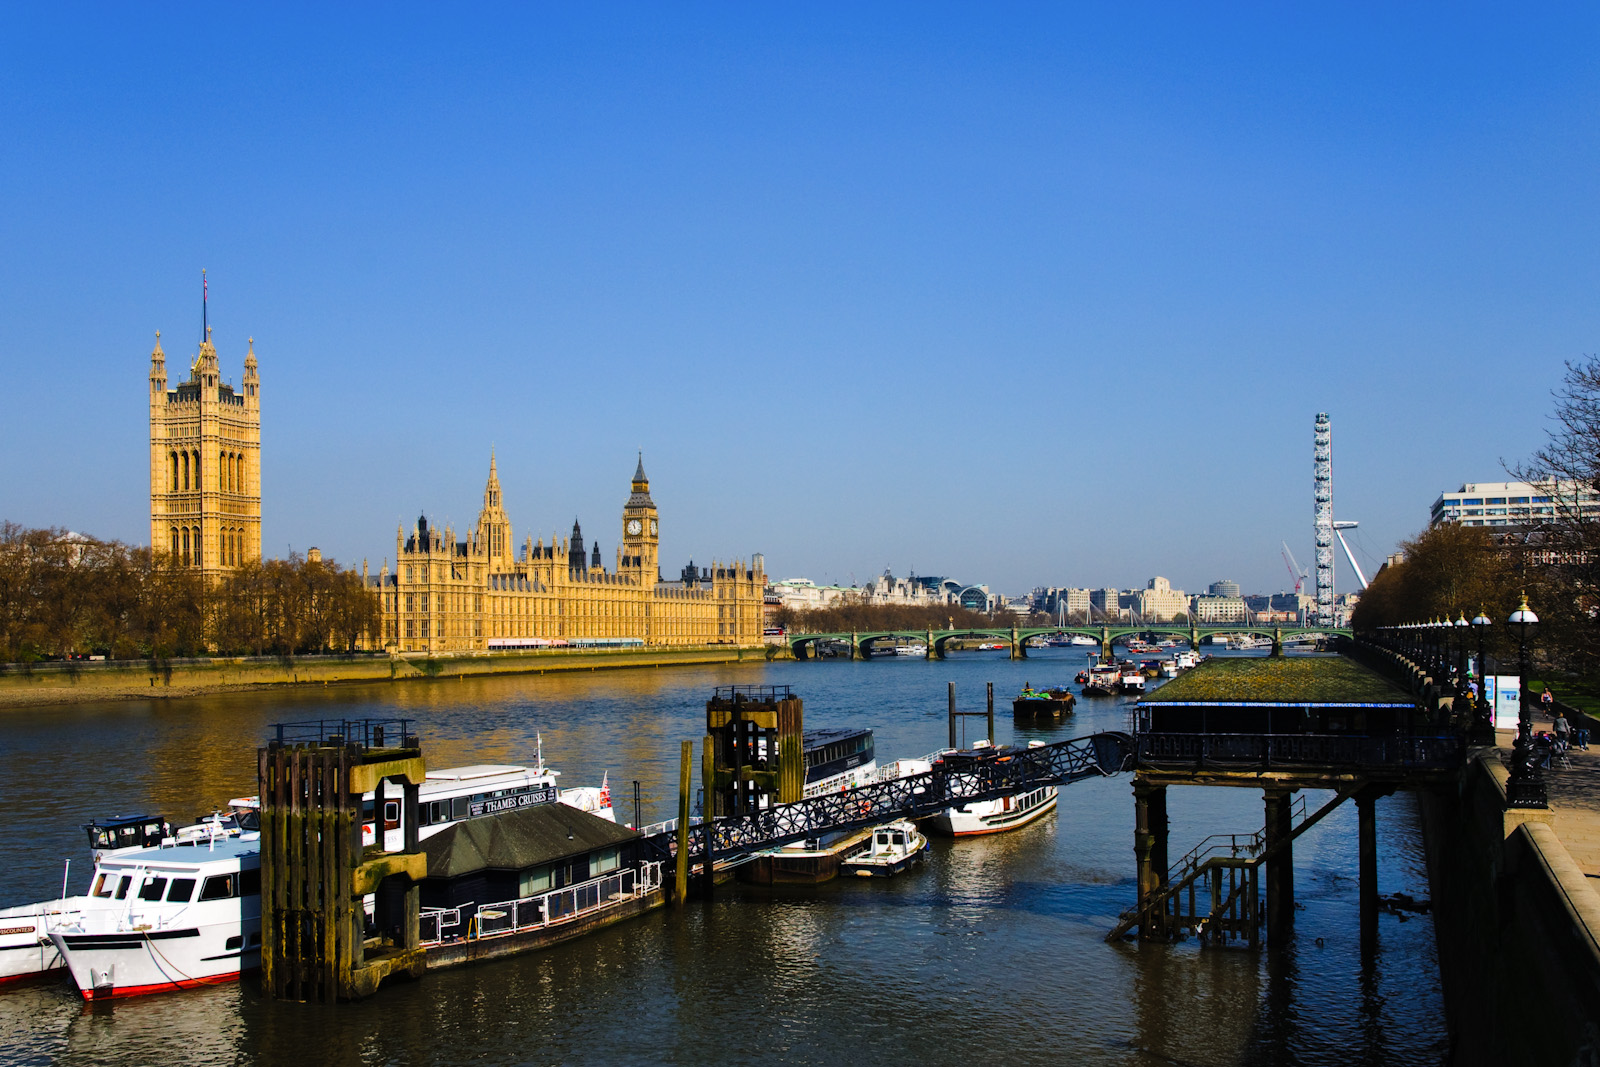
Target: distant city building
{"points": [[1105, 604], [1257, 602], [802, 594], [887, 589], [1159, 602], [1513, 503], [1208, 610], [1224, 588], [1077, 603]]}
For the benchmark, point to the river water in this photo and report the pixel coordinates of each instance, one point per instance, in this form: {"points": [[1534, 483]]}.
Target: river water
{"points": [[993, 952]]}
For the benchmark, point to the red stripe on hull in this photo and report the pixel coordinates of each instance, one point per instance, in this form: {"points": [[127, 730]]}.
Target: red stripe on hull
{"points": [[118, 992], [31, 976]]}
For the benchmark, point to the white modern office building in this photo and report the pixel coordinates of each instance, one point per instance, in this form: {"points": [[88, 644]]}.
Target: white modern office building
{"points": [[1513, 503]]}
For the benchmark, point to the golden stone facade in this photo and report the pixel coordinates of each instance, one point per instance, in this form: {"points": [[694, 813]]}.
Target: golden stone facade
{"points": [[205, 463], [480, 594]]}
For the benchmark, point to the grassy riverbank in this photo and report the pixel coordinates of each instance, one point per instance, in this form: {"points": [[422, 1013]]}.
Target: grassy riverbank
{"points": [[39, 684]]}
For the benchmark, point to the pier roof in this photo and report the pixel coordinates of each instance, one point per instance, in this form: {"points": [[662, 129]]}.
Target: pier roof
{"points": [[1324, 681], [519, 839]]}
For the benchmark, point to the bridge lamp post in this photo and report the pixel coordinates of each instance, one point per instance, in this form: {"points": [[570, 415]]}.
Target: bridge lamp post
{"points": [[1526, 787], [1483, 725], [1461, 625]]}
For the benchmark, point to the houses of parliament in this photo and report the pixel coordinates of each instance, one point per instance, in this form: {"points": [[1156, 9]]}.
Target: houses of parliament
{"points": [[444, 595]]}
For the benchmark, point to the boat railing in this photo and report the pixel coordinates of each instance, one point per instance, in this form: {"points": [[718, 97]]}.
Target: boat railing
{"points": [[667, 827], [562, 905], [435, 924]]}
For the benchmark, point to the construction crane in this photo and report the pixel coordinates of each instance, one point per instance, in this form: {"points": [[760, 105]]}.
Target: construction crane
{"points": [[1295, 571], [1338, 531]]}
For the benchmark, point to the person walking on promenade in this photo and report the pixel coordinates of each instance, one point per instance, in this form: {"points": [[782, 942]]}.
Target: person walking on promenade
{"points": [[1562, 729], [1547, 700]]}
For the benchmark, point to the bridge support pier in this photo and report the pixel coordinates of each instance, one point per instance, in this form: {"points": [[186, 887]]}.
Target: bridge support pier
{"points": [[928, 652], [1279, 848], [1150, 850], [855, 646], [1018, 650]]}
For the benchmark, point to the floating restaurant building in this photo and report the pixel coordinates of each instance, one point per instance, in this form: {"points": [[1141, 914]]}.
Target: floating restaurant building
{"points": [[481, 594]]}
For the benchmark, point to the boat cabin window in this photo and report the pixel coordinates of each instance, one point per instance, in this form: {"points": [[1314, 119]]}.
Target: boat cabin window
{"points": [[123, 887], [182, 889], [391, 814], [153, 888], [250, 882], [104, 884], [218, 887]]}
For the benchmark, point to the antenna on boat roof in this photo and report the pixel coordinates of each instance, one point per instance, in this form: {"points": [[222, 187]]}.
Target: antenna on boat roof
{"points": [[538, 741]]}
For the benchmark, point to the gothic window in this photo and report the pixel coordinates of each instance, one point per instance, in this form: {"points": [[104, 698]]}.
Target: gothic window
{"points": [[197, 484], [173, 531], [186, 547], [172, 474], [197, 561], [186, 472]]}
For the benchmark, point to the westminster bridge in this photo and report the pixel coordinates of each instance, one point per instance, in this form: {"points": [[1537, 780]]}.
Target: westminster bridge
{"points": [[864, 644]]}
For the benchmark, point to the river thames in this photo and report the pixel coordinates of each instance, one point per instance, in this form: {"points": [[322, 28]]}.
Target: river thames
{"points": [[992, 952]]}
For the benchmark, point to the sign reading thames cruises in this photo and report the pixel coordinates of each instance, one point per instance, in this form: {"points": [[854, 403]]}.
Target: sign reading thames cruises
{"points": [[494, 805]]}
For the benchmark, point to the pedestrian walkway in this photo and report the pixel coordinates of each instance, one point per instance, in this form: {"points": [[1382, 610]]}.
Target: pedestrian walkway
{"points": [[1574, 793]]}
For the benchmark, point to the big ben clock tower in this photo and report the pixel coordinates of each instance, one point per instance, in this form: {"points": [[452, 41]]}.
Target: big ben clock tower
{"points": [[641, 537]]}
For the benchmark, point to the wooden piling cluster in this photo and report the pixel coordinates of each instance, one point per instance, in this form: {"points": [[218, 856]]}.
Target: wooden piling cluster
{"points": [[315, 871]]}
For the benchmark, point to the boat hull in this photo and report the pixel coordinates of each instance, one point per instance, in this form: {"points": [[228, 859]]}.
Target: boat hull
{"points": [[26, 951], [989, 817], [138, 963], [800, 866], [1028, 710]]}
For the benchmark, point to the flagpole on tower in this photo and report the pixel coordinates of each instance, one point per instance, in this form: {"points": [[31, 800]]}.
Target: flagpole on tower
{"points": [[205, 294]]}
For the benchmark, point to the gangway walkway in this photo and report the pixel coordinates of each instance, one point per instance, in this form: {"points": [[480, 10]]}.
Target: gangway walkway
{"points": [[958, 779]]}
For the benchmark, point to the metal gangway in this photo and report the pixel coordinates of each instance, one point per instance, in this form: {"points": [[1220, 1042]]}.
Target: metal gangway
{"points": [[958, 778]]}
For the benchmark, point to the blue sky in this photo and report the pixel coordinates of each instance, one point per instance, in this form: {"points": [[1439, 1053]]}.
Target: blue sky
{"points": [[1019, 295]]}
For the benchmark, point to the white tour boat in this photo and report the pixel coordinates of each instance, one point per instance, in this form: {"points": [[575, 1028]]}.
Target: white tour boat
{"points": [[176, 916], [989, 816], [1131, 679]]}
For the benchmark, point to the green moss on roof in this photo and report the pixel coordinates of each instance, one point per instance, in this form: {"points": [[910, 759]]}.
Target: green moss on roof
{"points": [[1280, 679]]}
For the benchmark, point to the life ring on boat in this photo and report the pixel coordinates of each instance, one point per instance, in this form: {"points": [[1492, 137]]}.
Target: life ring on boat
{"points": [[866, 807]]}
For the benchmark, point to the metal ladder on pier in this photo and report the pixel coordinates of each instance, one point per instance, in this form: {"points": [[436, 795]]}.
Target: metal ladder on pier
{"points": [[1214, 896]]}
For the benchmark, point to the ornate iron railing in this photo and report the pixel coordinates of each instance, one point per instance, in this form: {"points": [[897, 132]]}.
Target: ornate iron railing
{"points": [[954, 781]]}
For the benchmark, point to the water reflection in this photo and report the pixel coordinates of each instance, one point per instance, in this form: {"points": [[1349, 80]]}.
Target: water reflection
{"points": [[993, 949]]}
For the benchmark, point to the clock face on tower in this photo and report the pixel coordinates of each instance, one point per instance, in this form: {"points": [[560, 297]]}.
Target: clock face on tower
{"points": [[652, 527], [634, 526]]}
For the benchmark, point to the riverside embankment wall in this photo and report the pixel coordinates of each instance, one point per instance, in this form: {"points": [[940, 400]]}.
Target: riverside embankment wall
{"points": [[1518, 925], [79, 682]]}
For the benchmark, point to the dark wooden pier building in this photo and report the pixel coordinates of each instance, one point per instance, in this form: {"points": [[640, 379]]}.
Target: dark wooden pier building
{"points": [[1278, 724]]}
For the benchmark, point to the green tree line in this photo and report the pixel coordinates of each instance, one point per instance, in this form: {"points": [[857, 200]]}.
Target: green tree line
{"points": [[64, 595], [846, 616]]}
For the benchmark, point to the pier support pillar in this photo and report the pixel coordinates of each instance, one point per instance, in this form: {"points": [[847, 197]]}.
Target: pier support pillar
{"points": [[1277, 641], [1280, 865], [1150, 851], [1105, 645], [928, 652], [1018, 651], [1194, 639], [680, 884], [1367, 832], [855, 646]]}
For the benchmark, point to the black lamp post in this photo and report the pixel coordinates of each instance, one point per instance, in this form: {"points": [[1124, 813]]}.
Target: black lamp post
{"points": [[1483, 721], [1460, 626], [1526, 787]]}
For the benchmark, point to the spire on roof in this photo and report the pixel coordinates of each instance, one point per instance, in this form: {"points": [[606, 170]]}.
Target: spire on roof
{"points": [[640, 497]]}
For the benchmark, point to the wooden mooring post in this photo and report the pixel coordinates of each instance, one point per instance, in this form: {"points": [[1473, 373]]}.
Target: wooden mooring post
{"points": [[315, 871]]}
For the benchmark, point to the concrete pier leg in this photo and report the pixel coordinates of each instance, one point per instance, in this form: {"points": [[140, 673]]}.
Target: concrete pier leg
{"points": [[1150, 852], [1280, 868], [1367, 828]]}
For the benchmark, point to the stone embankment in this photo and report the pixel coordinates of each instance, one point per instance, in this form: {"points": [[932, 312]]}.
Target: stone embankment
{"points": [[1515, 904], [79, 682]]}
